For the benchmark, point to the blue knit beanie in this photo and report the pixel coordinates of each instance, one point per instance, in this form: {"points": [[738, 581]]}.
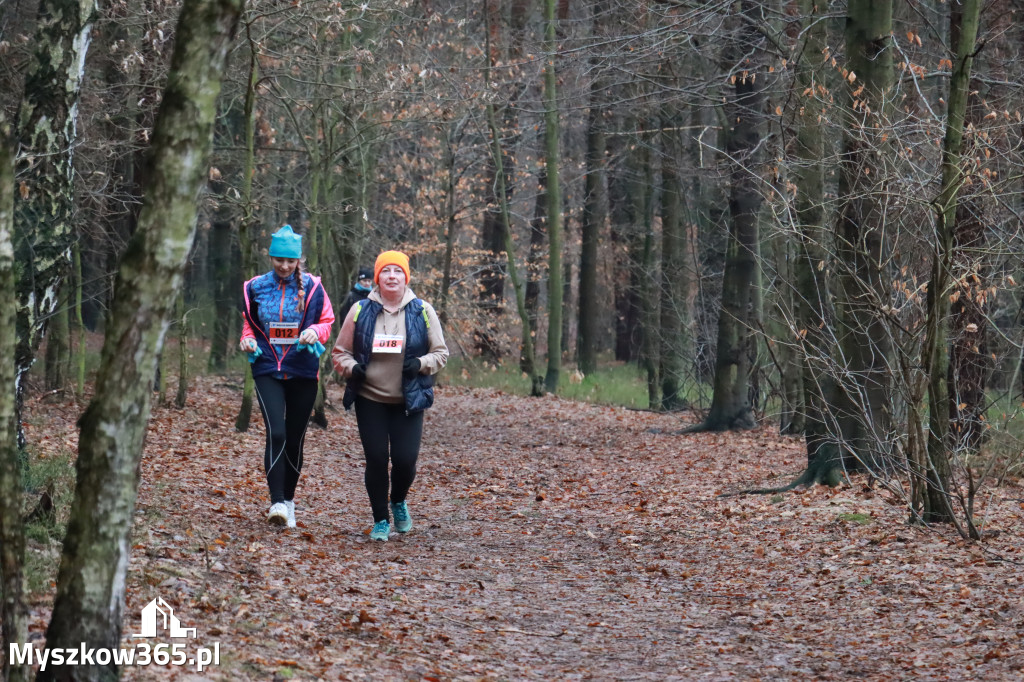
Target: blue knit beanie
{"points": [[286, 244]]}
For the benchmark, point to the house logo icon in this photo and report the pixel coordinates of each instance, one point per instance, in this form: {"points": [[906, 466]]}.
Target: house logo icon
{"points": [[159, 613]]}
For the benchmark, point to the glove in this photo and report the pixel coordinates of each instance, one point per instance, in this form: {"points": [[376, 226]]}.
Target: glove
{"points": [[411, 367], [255, 351], [316, 348], [358, 372]]}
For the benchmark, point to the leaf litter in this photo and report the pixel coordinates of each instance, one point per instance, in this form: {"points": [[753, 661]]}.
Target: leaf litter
{"points": [[554, 540]]}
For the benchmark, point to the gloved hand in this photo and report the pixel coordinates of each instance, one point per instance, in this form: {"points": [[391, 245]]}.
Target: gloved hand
{"points": [[411, 367], [358, 372], [316, 348], [250, 348]]}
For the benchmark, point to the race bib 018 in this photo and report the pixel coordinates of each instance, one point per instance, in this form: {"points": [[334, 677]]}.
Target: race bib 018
{"points": [[388, 343]]}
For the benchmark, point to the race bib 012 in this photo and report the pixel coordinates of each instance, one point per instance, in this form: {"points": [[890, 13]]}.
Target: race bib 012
{"points": [[284, 333]]}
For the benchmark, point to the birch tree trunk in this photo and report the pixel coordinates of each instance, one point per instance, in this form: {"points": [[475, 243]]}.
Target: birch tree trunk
{"points": [[46, 131], [90, 580], [13, 610]]}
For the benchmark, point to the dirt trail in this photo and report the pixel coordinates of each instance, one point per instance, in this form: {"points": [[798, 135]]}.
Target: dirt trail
{"points": [[557, 540]]}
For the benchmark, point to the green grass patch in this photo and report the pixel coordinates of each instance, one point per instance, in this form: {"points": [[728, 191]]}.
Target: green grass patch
{"points": [[862, 519], [52, 478], [613, 383]]}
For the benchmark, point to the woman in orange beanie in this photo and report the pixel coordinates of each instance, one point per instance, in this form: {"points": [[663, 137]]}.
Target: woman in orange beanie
{"points": [[390, 347]]}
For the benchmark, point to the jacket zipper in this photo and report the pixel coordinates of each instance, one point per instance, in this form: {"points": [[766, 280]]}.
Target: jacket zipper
{"points": [[280, 318]]}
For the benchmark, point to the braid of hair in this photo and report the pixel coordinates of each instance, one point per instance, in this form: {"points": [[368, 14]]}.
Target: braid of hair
{"points": [[302, 287]]}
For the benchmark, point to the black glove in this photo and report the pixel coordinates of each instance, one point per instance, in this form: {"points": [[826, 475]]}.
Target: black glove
{"points": [[358, 372], [411, 367]]}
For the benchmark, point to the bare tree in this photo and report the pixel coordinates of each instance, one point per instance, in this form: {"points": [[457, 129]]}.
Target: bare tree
{"points": [[730, 404]]}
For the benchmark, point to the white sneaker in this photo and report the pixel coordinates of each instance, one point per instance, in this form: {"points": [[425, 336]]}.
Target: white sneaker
{"points": [[291, 512], [278, 514]]}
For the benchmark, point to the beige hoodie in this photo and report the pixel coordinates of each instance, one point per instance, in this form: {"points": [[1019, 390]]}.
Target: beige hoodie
{"points": [[384, 371]]}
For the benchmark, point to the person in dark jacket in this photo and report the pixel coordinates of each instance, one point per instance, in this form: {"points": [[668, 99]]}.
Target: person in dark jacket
{"points": [[390, 347], [287, 319], [360, 290]]}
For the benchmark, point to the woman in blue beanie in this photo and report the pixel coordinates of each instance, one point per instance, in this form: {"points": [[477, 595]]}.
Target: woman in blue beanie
{"points": [[287, 321]]}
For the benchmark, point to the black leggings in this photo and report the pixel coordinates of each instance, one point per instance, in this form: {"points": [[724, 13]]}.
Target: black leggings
{"points": [[286, 406], [379, 425]]}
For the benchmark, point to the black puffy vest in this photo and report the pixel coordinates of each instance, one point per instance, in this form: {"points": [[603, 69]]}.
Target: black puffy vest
{"points": [[417, 391]]}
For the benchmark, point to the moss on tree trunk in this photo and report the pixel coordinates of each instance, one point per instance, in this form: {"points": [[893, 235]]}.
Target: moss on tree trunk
{"points": [[90, 582]]}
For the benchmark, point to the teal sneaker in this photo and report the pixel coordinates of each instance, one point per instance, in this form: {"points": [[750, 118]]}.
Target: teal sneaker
{"points": [[381, 531], [400, 512]]}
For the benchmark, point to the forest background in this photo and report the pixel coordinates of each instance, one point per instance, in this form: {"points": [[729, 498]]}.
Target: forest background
{"points": [[808, 213]]}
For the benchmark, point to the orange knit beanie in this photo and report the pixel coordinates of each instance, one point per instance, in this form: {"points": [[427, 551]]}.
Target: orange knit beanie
{"points": [[391, 258]]}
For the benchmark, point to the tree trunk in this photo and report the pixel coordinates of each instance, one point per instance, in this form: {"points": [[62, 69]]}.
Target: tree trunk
{"points": [[219, 259], [567, 307], [90, 580], [181, 397], [786, 354], [491, 290], [535, 267], [58, 342], [80, 347], [553, 158], [730, 403], [248, 223], [452, 135], [46, 129], [709, 201], [674, 285], [13, 609], [492, 280], [863, 334], [969, 361], [594, 213], [527, 352], [648, 281], [623, 195], [814, 312], [937, 502]]}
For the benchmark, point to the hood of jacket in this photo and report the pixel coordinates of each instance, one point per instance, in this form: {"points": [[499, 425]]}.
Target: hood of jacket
{"points": [[409, 296]]}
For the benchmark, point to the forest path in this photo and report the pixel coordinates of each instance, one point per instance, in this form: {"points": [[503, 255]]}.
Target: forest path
{"points": [[557, 540]]}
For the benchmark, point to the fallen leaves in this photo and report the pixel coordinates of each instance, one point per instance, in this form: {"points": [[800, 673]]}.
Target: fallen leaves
{"points": [[557, 540]]}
